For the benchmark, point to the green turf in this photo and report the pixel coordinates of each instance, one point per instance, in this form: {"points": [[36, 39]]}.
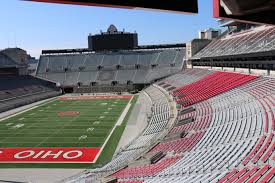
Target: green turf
{"points": [[111, 146], [44, 128]]}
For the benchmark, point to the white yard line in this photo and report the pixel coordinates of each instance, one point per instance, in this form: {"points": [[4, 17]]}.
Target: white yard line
{"points": [[44, 102], [59, 129], [124, 113], [118, 123], [40, 103]]}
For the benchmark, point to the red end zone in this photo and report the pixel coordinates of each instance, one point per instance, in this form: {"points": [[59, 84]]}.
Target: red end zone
{"points": [[48, 155], [94, 97]]}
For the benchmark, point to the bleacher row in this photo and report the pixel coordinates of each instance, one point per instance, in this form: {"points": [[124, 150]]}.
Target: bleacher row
{"points": [[146, 170], [229, 139], [22, 90], [238, 140], [137, 66], [259, 39], [178, 145], [211, 85], [184, 78]]}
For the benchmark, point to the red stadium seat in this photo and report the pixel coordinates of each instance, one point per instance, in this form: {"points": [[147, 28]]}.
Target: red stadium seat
{"points": [[258, 174], [247, 174], [268, 176]]}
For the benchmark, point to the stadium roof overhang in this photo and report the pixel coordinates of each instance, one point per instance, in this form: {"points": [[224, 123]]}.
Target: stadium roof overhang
{"points": [[226, 23], [239, 10], [240, 56], [190, 6], [252, 11], [142, 47]]}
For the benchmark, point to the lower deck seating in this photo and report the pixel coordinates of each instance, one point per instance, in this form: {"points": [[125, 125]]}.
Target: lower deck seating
{"points": [[209, 86], [183, 78], [22, 90], [240, 133], [146, 170], [130, 181], [238, 122], [231, 135], [252, 174], [178, 145]]}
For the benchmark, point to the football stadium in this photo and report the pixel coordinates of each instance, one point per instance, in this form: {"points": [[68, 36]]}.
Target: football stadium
{"points": [[200, 111]]}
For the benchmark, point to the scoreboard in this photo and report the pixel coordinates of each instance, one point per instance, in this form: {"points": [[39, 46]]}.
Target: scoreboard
{"points": [[113, 41]]}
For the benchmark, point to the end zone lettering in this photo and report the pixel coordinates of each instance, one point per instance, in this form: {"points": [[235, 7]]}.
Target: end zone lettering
{"points": [[48, 155]]}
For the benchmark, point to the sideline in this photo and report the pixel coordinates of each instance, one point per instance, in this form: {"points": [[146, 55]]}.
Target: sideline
{"points": [[118, 123]]}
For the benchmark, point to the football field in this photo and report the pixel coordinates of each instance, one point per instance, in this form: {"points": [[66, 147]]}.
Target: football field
{"points": [[66, 130]]}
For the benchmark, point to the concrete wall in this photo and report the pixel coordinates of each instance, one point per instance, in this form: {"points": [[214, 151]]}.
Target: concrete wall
{"points": [[195, 46]]}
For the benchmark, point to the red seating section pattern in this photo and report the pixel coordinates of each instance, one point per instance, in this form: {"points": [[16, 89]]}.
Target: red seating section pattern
{"points": [[209, 86], [178, 145], [228, 176], [256, 162], [131, 181], [255, 174], [146, 170], [254, 151], [202, 119], [247, 175], [268, 176], [267, 105]]}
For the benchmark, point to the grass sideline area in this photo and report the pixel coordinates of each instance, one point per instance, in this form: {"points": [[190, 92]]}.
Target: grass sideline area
{"points": [[111, 146], [48, 126]]}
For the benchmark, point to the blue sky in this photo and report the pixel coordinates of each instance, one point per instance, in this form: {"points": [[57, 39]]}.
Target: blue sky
{"points": [[36, 26]]}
